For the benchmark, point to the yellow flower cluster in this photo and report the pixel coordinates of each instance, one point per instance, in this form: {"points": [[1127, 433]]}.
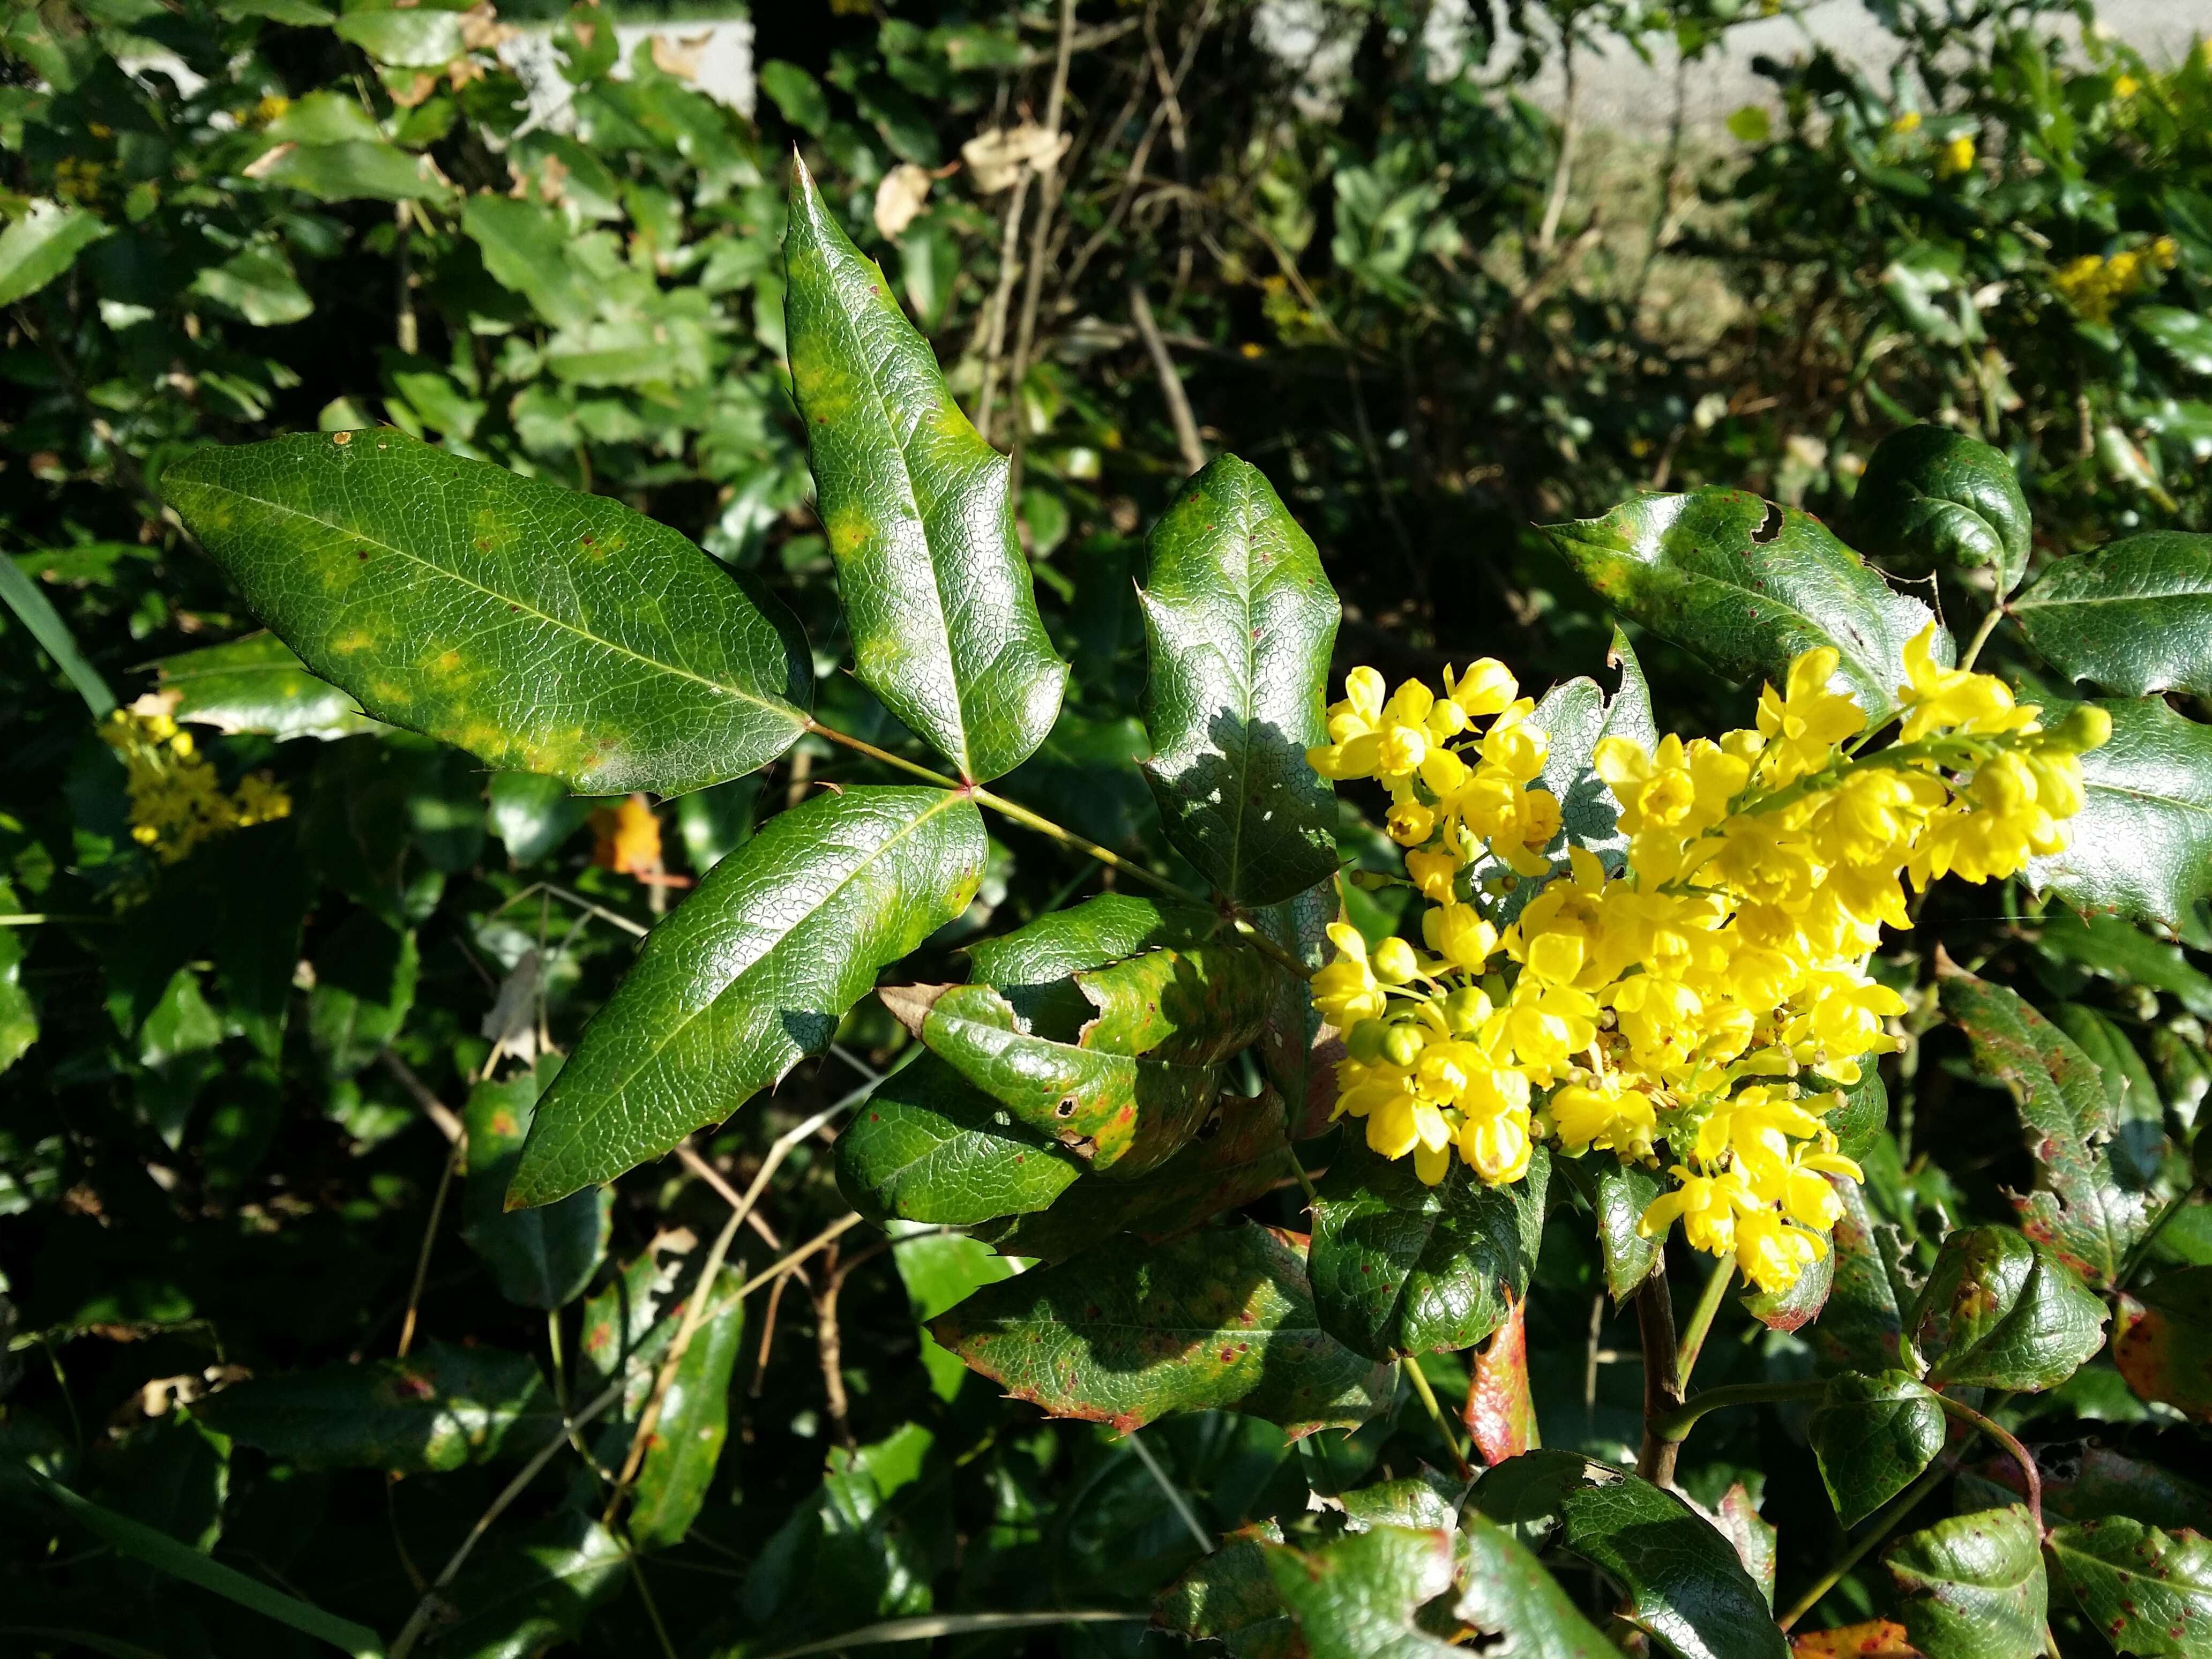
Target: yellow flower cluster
{"points": [[2093, 284], [177, 801], [1956, 158], [1688, 997]]}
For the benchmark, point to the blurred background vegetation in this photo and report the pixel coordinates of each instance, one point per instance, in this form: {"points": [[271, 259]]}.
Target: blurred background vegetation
{"points": [[1139, 233]]}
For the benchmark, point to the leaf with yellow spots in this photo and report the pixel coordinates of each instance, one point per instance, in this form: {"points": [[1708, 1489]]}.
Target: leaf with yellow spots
{"points": [[937, 594], [540, 629]]}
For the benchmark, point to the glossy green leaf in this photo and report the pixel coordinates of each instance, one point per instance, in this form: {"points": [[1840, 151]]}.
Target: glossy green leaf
{"points": [[2141, 848], [542, 630], [257, 284], [1239, 622], [2164, 1348], [1400, 1268], [2187, 335], [1798, 1306], [534, 1592], [2112, 950], [1873, 1436], [1358, 1594], [686, 1445], [42, 243], [2080, 1207], [1221, 1318], [2146, 1591], [1618, 1195], [421, 38], [750, 975], [356, 170], [1189, 1007], [1999, 1311], [620, 1320], [2090, 1482], [928, 1145], [1114, 1111], [941, 1271], [543, 1257], [1859, 1327], [1298, 1050], [1230, 1598], [18, 1015], [937, 594], [438, 1409], [1574, 717], [1933, 499], [1092, 934], [257, 684], [1973, 1586], [1684, 1583], [524, 247], [365, 980], [1748, 585], [2132, 618], [847, 1552], [1506, 1593], [1237, 1154], [2139, 1147]]}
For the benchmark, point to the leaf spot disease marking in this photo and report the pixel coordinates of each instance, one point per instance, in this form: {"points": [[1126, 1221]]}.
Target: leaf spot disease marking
{"points": [[341, 439]]}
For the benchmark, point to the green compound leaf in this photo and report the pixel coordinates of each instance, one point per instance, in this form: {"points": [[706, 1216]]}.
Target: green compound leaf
{"points": [[1873, 1436], [1748, 585], [2164, 1348], [686, 1445], [2001, 1312], [1219, 1319], [1685, 1582], [2079, 1207], [1400, 1269], [1973, 1586], [2130, 619], [1239, 622], [750, 975], [2141, 848], [1934, 499], [533, 1593], [1237, 1154], [439, 1409], [257, 684], [542, 1258], [937, 595], [1507, 1593], [1358, 1594], [1114, 1111], [929, 1145], [541, 630], [2146, 1591]]}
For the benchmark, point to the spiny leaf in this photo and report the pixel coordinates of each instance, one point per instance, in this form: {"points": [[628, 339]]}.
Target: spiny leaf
{"points": [[1873, 1436], [1116, 1112], [1505, 1592], [937, 594], [1934, 499], [2001, 1312], [1239, 621], [752, 974], [1973, 1586], [539, 629], [1749, 585], [2079, 1207], [1217, 1319], [2132, 618]]}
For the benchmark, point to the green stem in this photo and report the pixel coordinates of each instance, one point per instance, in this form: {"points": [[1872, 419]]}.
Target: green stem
{"points": [[1982, 634], [1877, 1531], [1701, 1319], [1413, 1370], [2018, 1453], [1677, 1424], [1066, 837]]}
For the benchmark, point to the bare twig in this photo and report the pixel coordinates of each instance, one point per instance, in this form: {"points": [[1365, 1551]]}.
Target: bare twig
{"points": [[1663, 1386], [449, 1124], [1569, 137], [459, 1151], [830, 1344], [995, 323], [1171, 389], [1033, 278]]}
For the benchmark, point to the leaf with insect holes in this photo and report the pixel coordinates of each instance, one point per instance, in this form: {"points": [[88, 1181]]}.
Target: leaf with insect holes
{"points": [[1748, 585], [914, 502], [1239, 621], [1220, 1319], [540, 629], [750, 975]]}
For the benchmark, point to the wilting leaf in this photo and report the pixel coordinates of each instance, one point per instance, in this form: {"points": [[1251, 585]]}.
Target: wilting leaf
{"points": [[937, 593], [1239, 621], [539, 629], [752, 974], [1221, 1318]]}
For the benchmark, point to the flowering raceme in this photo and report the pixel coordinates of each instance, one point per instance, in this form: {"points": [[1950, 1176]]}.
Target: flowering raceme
{"points": [[177, 801], [1696, 1007]]}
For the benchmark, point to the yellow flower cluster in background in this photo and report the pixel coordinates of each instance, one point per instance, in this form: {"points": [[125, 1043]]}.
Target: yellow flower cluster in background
{"points": [[2093, 284], [1688, 997], [177, 801]]}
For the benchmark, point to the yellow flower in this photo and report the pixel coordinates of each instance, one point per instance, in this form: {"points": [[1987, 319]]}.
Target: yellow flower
{"points": [[2126, 87], [1346, 990], [1803, 723], [1496, 1145], [1458, 934], [1956, 157], [1433, 874], [1907, 122], [1707, 1206], [1771, 1254], [1609, 1119]]}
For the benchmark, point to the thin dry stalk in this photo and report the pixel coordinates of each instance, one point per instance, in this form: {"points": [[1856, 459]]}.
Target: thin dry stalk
{"points": [[1171, 387]]}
